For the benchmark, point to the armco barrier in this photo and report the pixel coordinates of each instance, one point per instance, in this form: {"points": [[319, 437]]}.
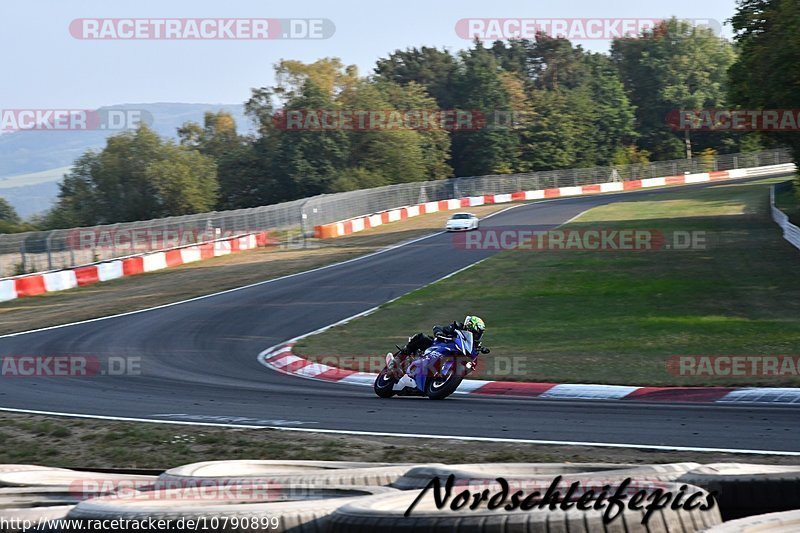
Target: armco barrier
{"points": [[61, 280], [354, 225], [87, 275], [790, 232], [133, 266], [109, 271], [8, 290], [30, 286]]}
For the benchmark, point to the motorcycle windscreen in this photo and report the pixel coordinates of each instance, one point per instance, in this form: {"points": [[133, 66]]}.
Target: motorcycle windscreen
{"points": [[465, 342]]}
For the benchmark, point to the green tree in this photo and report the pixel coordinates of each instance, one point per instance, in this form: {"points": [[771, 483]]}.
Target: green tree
{"points": [[612, 117], [76, 205], [678, 66], [433, 69], [10, 221], [120, 190], [130, 179], [185, 181], [581, 123], [243, 181], [630, 155], [216, 138], [479, 88], [553, 63], [7, 212], [394, 154], [514, 56], [306, 161], [550, 141], [259, 107], [255, 183], [433, 139], [765, 76], [329, 75], [550, 63], [353, 179]]}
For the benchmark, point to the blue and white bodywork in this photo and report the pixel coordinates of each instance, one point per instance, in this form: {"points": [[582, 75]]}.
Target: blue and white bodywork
{"points": [[436, 373]]}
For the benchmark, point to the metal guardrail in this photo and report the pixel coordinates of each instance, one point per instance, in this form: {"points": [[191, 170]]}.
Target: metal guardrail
{"points": [[330, 208], [288, 222], [790, 232]]}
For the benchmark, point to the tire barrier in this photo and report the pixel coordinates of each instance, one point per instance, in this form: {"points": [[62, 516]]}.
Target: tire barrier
{"points": [[521, 474], [386, 513], [4, 469], [282, 472], [299, 508], [747, 489], [14, 497], [338, 497], [73, 478], [785, 522]]}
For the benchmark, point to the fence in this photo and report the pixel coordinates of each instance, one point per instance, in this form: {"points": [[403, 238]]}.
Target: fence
{"points": [[51, 250], [790, 232], [292, 221], [330, 208]]}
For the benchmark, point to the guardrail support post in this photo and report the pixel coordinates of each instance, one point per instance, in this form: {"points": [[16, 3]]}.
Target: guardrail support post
{"points": [[49, 251], [23, 263], [303, 222]]}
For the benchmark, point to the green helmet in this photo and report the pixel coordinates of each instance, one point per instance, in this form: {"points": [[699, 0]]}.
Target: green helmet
{"points": [[475, 325]]}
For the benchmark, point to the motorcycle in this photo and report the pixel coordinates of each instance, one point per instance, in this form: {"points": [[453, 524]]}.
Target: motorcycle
{"points": [[436, 373]]}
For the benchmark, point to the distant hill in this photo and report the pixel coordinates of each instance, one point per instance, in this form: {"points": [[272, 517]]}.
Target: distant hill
{"points": [[33, 162], [32, 193]]}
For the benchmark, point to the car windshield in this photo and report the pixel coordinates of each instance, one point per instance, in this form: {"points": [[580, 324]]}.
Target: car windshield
{"points": [[462, 216]]}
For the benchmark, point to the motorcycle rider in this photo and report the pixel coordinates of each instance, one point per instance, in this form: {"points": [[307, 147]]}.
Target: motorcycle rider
{"points": [[421, 342]]}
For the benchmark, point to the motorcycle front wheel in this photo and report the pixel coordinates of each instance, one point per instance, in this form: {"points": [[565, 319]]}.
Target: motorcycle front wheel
{"points": [[384, 384], [439, 388]]}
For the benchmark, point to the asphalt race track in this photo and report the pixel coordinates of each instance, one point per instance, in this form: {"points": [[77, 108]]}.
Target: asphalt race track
{"points": [[198, 363]]}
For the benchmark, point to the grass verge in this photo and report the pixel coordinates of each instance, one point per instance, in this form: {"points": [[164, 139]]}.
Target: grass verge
{"points": [[617, 317], [85, 443]]}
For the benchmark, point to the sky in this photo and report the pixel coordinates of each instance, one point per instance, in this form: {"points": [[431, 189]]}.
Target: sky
{"points": [[45, 67]]}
